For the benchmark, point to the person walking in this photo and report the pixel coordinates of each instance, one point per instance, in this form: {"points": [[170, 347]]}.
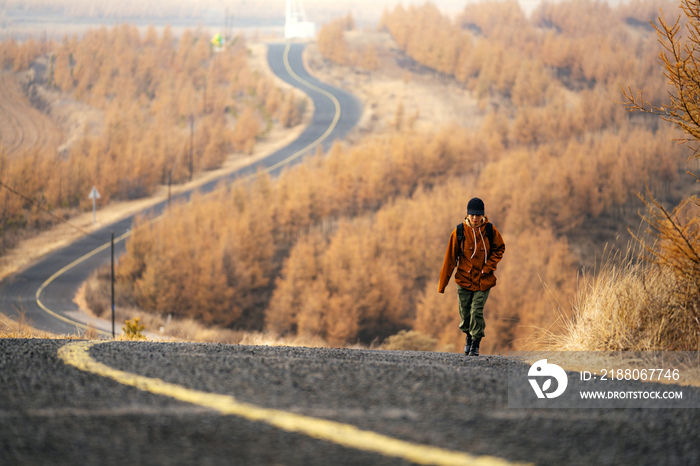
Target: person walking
{"points": [[475, 249]]}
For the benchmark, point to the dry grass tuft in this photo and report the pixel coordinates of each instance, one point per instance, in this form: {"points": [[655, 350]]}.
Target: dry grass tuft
{"points": [[631, 306], [21, 328], [133, 331], [410, 340], [270, 339]]}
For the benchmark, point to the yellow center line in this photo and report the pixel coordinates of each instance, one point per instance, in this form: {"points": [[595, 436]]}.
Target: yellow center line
{"points": [[61, 272], [286, 161], [78, 355], [333, 124]]}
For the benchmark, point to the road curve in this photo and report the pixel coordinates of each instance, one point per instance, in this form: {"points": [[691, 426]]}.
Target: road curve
{"points": [[44, 292]]}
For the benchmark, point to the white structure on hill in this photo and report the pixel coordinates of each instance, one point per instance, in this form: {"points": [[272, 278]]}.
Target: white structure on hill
{"points": [[296, 25]]}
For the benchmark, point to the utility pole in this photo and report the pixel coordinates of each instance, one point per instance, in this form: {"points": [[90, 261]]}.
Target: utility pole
{"points": [[228, 28], [113, 333], [226, 25], [204, 103], [191, 145], [170, 184]]}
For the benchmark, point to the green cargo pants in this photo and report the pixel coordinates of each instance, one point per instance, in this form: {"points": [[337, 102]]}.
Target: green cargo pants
{"points": [[471, 311]]}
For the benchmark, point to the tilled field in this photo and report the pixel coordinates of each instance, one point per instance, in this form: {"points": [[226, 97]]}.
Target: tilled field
{"points": [[22, 127], [52, 413]]}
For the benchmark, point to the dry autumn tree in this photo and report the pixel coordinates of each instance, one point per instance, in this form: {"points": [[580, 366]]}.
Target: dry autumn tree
{"points": [[677, 232]]}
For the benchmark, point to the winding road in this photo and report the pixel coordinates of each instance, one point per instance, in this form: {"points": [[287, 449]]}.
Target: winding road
{"points": [[115, 403], [44, 292]]}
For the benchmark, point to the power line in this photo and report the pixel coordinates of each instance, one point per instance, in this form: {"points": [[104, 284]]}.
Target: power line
{"points": [[60, 219]]}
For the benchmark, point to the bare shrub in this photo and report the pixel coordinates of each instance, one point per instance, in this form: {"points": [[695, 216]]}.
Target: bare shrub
{"points": [[677, 234]]}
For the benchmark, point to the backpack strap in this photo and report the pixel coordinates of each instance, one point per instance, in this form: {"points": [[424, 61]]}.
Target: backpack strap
{"points": [[489, 234], [460, 240]]}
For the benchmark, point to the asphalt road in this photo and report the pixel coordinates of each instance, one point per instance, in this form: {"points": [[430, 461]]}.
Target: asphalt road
{"points": [[55, 413], [336, 113]]}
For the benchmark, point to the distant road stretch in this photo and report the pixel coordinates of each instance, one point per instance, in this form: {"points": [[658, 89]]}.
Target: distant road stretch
{"points": [[45, 291]]}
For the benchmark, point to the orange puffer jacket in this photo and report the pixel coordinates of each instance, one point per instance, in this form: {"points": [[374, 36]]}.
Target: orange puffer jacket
{"points": [[475, 271]]}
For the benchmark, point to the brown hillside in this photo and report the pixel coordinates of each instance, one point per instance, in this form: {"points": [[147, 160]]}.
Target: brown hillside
{"points": [[22, 127]]}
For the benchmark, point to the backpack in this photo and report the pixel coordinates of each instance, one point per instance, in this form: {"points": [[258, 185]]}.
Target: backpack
{"points": [[461, 237]]}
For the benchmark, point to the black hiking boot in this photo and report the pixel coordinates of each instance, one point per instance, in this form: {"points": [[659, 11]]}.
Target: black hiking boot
{"points": [[474, 348], [468, 346]]}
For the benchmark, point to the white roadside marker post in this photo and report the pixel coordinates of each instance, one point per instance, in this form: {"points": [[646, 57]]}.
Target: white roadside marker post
{"points": [[94, 195]]}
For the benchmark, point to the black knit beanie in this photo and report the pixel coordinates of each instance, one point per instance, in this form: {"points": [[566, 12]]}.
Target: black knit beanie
{"points": [[475, 207]]}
